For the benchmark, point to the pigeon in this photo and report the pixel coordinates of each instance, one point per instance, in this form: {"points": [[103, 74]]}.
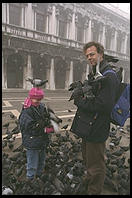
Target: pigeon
{"points": [[122, 131], [65, 126], [7, 131], [8, 136], [19, 171], [4, 143], [76, 87], [6, 191], [19, 149], [110, 183], [117, 140], [10, 145], [6, 125], [125, 148], [12, 116], [78, 92], [59, 185], [87, 90], [16, 130], [53, 116], [37, 82], [118, 152]]}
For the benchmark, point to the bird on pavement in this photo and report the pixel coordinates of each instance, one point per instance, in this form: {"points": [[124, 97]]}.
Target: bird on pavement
{"points": [[65, 126], [19, 149], [6, 125], [7, 131], [12, 116], [118, 152], [37, 82], [125, 148], [8, 136], [16, 130], [10, 146]]}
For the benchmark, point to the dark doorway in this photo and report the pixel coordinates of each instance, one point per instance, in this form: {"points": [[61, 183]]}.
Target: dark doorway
{"points": [[60, 74], [15, 71], [39, 67], [77, 71]]}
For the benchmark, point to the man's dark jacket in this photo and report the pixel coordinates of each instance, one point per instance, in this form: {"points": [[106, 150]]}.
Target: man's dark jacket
{"points": [[33, 135], [92, 119]]}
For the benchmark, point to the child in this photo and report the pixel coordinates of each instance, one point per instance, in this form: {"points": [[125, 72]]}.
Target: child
{"points": [[33, 120]]}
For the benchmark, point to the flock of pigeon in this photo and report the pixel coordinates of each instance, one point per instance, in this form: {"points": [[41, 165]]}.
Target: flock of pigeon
{"points": [[64, 168]]}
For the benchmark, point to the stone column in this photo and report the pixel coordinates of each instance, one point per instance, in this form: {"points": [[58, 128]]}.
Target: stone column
{"points": [[112, 39], [47, 86], [7, 13], [114, 48], [4, 69], [4, 75], [72, 27], [69, 20], [89, 31], [29, 16], [52, 75], [86, 25], [29, 73], [47, 23], [125, 44], [53, 22], [23, 17], [4, 12], [67, 78], [100, 32], [103, 39], [71, 73]]}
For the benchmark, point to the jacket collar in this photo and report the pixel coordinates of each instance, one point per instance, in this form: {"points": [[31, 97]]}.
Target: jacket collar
{"points": [[103, 65]]}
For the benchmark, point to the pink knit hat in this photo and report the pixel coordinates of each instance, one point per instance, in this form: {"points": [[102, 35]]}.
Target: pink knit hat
{"points": [[36, 93]]}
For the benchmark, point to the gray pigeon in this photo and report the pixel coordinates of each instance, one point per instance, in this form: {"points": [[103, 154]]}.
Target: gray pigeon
{"points": [[37, 82]]}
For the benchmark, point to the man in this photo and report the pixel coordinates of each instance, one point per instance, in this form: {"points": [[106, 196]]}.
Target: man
{"points": [[92, 119]]}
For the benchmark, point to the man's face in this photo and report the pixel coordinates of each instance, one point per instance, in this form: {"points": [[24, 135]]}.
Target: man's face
{"points": [[92, 56]]}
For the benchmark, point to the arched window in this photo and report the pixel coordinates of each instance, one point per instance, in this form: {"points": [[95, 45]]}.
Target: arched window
{"points": [[41, 17], [15, 14], [62, 31], [80, 28]]}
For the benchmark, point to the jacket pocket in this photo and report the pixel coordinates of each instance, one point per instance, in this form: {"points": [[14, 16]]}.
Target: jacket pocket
{"points": [[82, 127], [33, 142]]}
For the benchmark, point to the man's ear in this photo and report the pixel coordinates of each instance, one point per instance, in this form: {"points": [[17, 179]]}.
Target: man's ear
{"points": [[101, 57]]}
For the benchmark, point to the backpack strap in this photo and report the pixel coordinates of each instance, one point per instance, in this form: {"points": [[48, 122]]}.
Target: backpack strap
{"points": [[109, 71]]}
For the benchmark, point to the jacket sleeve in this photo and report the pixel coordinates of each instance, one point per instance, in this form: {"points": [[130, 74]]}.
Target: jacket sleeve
{"points": [[105, 99], [26, 121]]}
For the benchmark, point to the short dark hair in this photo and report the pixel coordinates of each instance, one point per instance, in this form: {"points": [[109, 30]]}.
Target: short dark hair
{"points": [[99, 47]]}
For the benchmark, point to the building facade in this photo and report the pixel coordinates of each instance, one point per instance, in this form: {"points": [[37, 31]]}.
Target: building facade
{"points": [[45, 40]]}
